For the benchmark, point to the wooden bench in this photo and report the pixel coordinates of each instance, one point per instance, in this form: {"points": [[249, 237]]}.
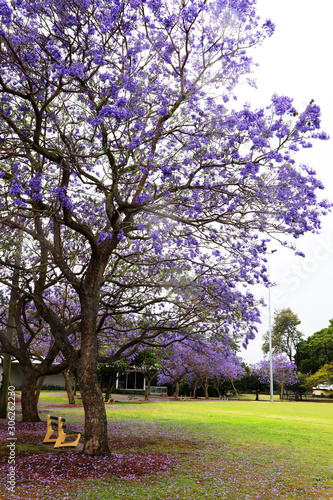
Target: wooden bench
{"points": [[109, 399], [58, 424]]}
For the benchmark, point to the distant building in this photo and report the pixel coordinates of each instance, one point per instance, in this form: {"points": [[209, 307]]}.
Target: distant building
{"points": [[131, 381], [16, 376], [135, 381], [322, 390]]}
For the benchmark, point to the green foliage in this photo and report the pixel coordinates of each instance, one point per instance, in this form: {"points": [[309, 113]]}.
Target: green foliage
{"points": [[147, 363], [51, 387], [107, 373], [301, 387], [250, 382], [323, 376], [285, 335], [147, 360], [315, 351]]}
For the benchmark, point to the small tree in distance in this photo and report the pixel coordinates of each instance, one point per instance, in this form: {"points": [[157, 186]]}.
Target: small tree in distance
{"points": [[284, 371], [285, 335], [251, 382], [146, 362]]}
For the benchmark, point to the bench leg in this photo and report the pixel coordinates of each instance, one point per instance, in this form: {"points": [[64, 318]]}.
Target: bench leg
{"points": [[60, 442], [49, 432]]}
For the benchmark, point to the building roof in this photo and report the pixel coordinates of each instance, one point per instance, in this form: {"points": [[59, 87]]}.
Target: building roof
{"points": [[323, 387]]}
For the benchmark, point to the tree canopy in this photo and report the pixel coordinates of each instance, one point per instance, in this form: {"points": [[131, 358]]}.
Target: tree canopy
{"points": [[323, 376], [315, 351], [285, 335], [284, 371]]}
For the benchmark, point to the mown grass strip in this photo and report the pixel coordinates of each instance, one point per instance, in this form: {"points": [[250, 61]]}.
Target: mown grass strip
{"points": [[219, 449]]}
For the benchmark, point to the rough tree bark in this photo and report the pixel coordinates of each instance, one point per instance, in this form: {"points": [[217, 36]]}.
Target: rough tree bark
{"points": [[205, 387], [147, 388], [281, 395], [95, 442], [95, 428], [70, 393], [177, 391], [28, 398], [111, 384], [39, 387]]}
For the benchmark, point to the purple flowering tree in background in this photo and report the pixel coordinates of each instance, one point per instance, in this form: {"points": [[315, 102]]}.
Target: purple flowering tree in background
{"points": [[34, 349], [212, 363], [174, 365], [132, 182], [232, 371], [284, 371], [203, 362], [199, 363]]}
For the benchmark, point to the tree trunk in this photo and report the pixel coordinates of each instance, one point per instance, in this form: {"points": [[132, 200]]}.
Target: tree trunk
{"points": [[111, 384], [28, 397], [194, 391], [148, 388], [39, 388], [281, 392], [234, 388], [177, 391], [206, 389], [257, 395], [85, 370], [69, 389], [217, 387], [95, 428], [7, 359]]}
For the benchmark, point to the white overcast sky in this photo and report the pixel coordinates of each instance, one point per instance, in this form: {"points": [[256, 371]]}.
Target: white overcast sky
{"points": [[297, 61]]}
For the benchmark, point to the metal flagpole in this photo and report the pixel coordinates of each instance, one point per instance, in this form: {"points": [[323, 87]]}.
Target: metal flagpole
{"points": [[270, 332]]}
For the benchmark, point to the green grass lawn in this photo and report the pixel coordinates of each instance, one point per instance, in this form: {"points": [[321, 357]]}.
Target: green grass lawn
{"points": [[233, 450]]}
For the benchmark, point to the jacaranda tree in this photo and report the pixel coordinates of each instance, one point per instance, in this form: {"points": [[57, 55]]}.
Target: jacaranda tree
{"points": [[34, 349], [131, 178], [212, 362], [284, 371], [174, 363]]}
